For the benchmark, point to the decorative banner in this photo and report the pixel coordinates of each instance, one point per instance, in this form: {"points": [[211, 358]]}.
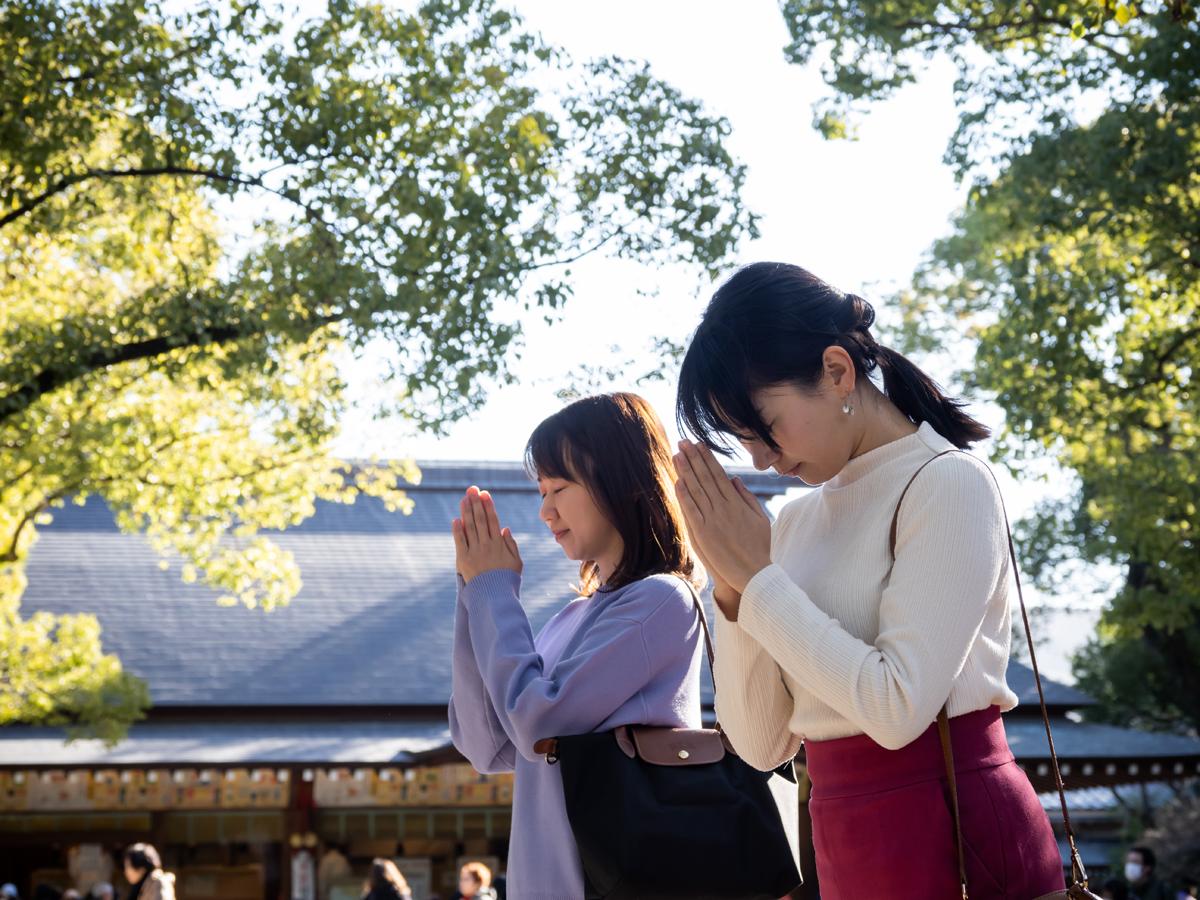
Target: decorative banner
{"points": [[54, 791], [304, 876], [254, 789], [14, 791], [448, 785], [340, 787], [111, 790]]}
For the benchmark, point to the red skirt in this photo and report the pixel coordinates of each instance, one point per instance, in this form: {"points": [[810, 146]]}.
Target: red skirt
{"points": [[882, 825]]}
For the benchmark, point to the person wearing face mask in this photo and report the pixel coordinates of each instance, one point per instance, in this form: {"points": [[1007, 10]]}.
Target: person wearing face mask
{"points": [[1143, 881], [871, 603]]}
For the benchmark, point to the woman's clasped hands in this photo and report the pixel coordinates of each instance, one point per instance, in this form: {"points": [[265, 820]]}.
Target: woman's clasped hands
{"points": [[730, 531], [480, 544]]}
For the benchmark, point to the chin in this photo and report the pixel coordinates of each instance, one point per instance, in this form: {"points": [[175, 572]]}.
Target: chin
{"points": [[813, 478]]}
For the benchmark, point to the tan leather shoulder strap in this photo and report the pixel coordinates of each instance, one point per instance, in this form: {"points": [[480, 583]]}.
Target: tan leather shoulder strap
{"points": [[1079, 874], [903, 494], [943, 723], [548, 747], [708, 644]]}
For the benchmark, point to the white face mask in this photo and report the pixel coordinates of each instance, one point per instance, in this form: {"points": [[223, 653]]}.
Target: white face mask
{"points": [[1133, 871]]}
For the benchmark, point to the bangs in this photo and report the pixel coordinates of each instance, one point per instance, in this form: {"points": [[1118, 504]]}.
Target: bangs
{"points": [[713, 402], [548, 452], [615, 447]]}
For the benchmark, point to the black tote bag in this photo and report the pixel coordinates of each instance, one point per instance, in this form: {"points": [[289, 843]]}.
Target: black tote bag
{"points": [[662, 813]]}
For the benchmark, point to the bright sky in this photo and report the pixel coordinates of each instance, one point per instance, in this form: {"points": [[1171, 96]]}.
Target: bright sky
{"points": [[859, 214]]}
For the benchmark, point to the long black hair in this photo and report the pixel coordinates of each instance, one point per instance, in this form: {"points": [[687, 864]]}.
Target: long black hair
{"points": [[770, 324], [385, 881], [615, 446], [145, 858]]}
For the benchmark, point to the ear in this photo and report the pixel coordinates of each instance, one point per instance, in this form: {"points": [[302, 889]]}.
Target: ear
{"points": [[839, 370]]}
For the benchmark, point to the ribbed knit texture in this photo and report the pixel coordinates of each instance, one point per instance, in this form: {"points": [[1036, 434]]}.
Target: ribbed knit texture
{"points": [[828, 645]]}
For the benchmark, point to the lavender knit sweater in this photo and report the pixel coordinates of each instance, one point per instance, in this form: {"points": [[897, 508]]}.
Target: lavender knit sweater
{"points": [[628, 656]]}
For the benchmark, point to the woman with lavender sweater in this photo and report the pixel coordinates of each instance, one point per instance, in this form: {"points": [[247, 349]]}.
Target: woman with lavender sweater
{"points": [[626, 651]]}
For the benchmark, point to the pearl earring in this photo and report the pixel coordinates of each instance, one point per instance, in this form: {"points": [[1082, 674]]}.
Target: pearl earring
{"points": [[848, 408]]}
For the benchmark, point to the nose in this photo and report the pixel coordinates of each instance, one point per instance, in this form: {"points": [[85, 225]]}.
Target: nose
{"points": [[546, 512], [762, 456]]}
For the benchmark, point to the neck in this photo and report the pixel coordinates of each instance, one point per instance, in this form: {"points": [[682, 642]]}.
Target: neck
{"points": [[882, 421], [607, 562], [604, 570]]}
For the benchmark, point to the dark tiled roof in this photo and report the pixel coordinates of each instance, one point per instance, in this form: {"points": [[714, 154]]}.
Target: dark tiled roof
{"points": [[201, 744], [1110, 799], [372, 625], [1089, 741], [1058, 695]]}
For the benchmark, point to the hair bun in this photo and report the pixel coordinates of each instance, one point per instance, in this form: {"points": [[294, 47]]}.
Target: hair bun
{"points": [[862, 313]]}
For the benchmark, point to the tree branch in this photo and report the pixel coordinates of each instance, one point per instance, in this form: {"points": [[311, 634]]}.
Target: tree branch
{"points": [[566, 261], [55, 376], [975, 29], [1180, 339], [67, 182]]}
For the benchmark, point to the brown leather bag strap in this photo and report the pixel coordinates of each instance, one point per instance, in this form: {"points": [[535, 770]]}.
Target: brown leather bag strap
{"points": [[903, 494], [708, 644], [1078, 873], [943, 716], [548, 747], [943, 723]]}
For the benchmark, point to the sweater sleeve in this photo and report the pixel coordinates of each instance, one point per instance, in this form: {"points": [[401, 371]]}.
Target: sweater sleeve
{"points": [[475, 728], [753, 704], [607, 667], [950, 559]]}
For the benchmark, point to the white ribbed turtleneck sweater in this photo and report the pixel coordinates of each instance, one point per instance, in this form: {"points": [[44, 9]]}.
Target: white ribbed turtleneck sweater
{"points": [[827, 645]]}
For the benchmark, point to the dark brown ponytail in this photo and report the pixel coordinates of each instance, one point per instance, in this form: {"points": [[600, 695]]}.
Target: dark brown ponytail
{"points": [[770, 324]]}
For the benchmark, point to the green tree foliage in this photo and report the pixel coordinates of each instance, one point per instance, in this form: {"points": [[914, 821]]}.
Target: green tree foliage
{"points": [[1175, 839], [1073, 267], [205, 206]]}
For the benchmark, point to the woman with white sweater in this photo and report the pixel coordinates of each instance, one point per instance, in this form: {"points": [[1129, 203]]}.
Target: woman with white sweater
{"points": [[871, 604]]}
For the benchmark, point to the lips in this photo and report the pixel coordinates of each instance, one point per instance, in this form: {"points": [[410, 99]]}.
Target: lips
{"points": [[558, 535]]}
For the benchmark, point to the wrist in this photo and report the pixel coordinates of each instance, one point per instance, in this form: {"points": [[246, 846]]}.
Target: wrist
{"points": [[745, 577], [725, 593], [489, 576], [728, 601]]}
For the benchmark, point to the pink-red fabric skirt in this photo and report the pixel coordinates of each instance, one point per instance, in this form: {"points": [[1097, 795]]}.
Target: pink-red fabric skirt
{"points": [[882, 825]]}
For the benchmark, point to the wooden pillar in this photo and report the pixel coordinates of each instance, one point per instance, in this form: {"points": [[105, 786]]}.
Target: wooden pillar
{"points": [[298, 820]]}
